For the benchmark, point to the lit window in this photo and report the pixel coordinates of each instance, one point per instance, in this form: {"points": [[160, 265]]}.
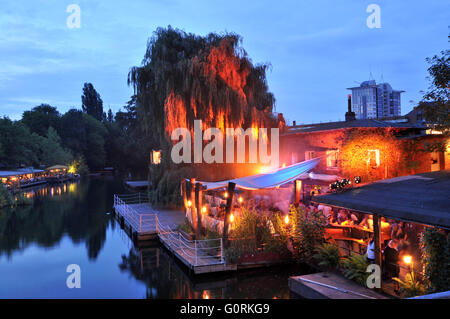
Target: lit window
{"points": [[373, 158], [155, 157], [332, 159]]}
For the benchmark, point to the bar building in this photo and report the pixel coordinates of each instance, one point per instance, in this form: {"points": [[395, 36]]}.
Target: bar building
{"points": [[372, 101]]}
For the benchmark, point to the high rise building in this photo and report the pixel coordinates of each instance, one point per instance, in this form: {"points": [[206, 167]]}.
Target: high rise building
{"points": [[371, 100]]}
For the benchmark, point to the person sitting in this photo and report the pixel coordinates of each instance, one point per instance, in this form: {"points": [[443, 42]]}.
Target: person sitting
{"points": [[370, 253], [342, 216]]}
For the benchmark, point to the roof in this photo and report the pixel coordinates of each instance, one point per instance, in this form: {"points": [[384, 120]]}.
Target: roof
{"points": [[56, 167], [19, 172], [422, 198], [273, 179], [368, 123]]}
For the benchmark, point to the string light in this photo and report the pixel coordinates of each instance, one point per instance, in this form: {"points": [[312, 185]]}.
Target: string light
{"points": [[225, 195], [204, 209], [286, 219], [240, 199], [231, 218], [189, 203]]}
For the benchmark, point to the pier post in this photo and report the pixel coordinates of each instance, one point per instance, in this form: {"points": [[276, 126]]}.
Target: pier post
{"points": [[377, 239], [198, 208], [193, 210], [226, 220]]}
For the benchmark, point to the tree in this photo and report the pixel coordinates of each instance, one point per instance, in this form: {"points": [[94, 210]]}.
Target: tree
{"points": [[74, 135], [185, 77], [52, 151], [96, 133], [92, 104], [110, 116], [40, 118], [20, 147], [436, 103]]}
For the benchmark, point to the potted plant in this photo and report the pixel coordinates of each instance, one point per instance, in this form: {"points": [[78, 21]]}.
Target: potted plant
{"points": [[327, 257]]}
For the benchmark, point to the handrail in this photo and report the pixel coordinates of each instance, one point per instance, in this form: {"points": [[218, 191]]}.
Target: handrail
{"points": [[197, 250]]}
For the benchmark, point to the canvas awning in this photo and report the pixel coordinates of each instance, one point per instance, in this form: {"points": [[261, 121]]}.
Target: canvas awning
{"points": [[269, 180]]}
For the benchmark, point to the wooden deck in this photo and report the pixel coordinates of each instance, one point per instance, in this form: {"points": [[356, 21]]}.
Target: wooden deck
{"points": [[143, 222], [330, 286], [137, 184]]}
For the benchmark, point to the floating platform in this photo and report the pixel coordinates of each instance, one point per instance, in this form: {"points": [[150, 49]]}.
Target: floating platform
{"points": [[137, 184], [330, 286]]}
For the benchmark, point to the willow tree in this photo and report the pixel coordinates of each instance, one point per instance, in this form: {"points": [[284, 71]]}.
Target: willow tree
{"points": [[184, 77]]}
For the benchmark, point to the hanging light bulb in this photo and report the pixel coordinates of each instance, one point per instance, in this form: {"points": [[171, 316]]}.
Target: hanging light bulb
{"points": [[204, 209], [240, 199], [231, 217], [286, 219]]}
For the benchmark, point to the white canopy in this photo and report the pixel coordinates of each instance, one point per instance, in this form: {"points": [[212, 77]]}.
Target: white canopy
{"points": [[269, 180]]}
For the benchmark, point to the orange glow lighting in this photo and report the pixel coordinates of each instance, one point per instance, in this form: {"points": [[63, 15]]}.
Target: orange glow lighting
{"points": [[407, 259]]}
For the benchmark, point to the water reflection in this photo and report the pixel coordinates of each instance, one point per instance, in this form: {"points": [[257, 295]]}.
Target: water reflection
{"points": [[69, 223], [75, 209], [165, 277]]}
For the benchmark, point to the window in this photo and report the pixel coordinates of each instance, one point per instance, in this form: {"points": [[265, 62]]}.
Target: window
{"points": [[309, 155], [373, 158], [332, 159], [155, 157]]}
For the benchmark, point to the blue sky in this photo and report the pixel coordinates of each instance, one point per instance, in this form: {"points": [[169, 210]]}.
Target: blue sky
{"points": [[316, 48]]}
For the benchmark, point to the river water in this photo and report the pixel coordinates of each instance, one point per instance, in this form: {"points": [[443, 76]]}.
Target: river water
{"points": [[72, 224]]}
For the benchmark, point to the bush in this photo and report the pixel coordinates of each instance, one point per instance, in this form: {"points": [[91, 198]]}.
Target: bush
{"points": [[328, 256], [435, 249], [252, 231], [5, 197], [355, 268], [309, 232], [411, 287]]}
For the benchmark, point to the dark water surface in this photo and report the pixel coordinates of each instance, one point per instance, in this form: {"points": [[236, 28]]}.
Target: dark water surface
{"points": [[72, 224]]}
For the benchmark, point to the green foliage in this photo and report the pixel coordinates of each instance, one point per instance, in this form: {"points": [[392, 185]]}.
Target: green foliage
{"points": [[435, 247], [355, 267], [250, 232], [186, 227], [96, 133], [309, 232], [41, 118], [79, 166], [52, 152], [92, 104], [328, 256], [5, 197], [411, 286], [18, 144], [436, 103]]}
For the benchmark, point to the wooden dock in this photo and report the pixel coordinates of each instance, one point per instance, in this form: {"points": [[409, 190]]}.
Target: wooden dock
{"points": [[330, 286], [143, 222], [137, 184]]}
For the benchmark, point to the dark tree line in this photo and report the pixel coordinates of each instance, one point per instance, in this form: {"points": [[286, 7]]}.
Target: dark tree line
{"points": [[45, 137]]}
